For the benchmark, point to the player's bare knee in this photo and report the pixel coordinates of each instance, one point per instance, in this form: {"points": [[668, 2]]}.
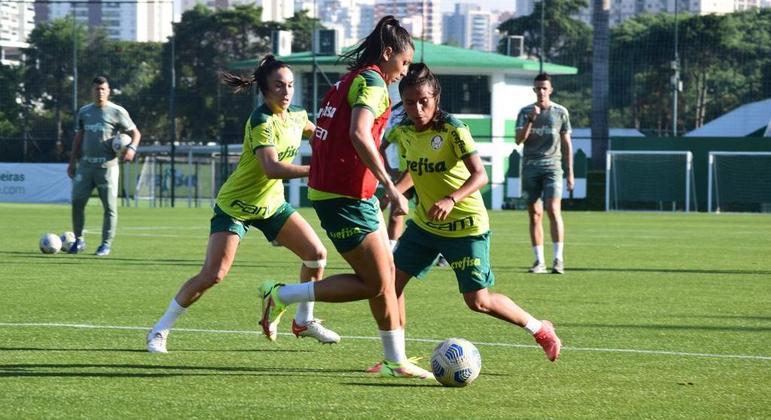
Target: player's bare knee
{"points": [[213, 277], [317, 261], [476, 304], [379, 290]]}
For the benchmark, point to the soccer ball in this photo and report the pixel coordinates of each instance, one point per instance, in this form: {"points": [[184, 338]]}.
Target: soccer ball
{"points": [[50, 243], [68, 238], [456, 362], [120, 142]]}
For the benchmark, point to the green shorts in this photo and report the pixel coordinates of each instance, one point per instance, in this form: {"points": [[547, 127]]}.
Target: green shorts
{"points": [[348, 221], [223, 222], [541, 179], [469, 256]]}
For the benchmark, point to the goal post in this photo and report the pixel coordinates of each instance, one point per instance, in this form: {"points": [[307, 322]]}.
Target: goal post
{"points": [[739, 181], [649, 180]]}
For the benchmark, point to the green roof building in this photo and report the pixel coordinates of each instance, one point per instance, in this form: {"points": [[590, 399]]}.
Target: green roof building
{"points": [[485, 90]]}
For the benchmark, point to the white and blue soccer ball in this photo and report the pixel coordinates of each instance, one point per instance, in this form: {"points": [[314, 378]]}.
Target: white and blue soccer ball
{"points": [[456, 362], [120, 142], [68, 239], [50, 243]]}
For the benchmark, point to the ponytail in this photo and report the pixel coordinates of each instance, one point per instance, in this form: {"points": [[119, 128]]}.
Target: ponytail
{"points": [[387, 33], [267, 66]]}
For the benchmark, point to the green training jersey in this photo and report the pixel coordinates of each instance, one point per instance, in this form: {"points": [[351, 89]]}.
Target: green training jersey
{"points": [[544, 140], [434, 159], [368, 90], [393, 156], [249, 193], [99, 125]]}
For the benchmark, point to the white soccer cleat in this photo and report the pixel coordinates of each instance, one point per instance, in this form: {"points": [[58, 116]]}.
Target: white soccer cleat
{"points": [[558, 267], [316, 330], [156, 341], [538, 268]]}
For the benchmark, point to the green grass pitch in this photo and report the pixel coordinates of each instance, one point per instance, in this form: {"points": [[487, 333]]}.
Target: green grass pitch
{"points": [[661, 316]]}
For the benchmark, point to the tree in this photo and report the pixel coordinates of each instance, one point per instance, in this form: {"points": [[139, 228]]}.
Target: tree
{"points": [[302, 27], [567, 41], [11, 109], [49, 68], [206, 42], [723, 60]]}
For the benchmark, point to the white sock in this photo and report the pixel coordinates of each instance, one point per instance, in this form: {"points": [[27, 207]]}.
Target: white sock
{"points": [[168, 319], [558, 250], [393, 345], [304, 313], [533, 325], [538, 251], [295, 293], [393, 243]]}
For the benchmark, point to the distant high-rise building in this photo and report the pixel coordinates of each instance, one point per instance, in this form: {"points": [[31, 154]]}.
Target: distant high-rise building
{"points": [[16, 22], [524, 7], [352, 18], [277, 10], [469, 27], [621, 10], [747, 4], [429, 12], [145, 21]]}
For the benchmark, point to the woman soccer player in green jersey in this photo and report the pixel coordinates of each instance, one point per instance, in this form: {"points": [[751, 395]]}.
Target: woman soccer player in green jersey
{"points": [[450, 217], [253, 195]]}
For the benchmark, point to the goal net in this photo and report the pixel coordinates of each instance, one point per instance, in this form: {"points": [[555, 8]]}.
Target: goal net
{"points": [[739, 182], [649, 180]]}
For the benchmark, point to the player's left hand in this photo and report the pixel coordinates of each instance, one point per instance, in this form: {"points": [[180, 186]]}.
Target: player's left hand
{"points": [[441, 209], [571, 182], [128, 155]]}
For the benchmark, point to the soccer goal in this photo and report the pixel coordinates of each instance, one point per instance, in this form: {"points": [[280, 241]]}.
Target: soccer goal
{"points": [[739, 182], [649, 180]]}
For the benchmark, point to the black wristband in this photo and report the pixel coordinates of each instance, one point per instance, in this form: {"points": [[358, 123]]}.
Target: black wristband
{"points": [[452, 198], [131, 146]]}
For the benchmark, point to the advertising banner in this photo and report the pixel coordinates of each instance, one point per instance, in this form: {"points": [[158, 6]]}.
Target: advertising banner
{"points": [[34, 183]]}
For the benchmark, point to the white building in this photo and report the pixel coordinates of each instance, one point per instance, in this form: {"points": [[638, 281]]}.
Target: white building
{"points": [[621, 10], [277, 10], [147, 21], [354, 19], [469, 27], [16, 22], [524, 7], [429, 12]]}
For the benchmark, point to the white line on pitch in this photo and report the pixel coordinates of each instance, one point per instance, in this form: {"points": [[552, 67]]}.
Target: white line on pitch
{"points": [[421, 340]]}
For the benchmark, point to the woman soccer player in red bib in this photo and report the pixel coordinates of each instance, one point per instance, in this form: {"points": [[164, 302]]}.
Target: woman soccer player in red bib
{"points": [[345, 170]]}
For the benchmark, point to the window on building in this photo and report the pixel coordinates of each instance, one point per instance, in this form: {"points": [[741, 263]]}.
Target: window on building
{"points": [[321, 88], [464, 94]]}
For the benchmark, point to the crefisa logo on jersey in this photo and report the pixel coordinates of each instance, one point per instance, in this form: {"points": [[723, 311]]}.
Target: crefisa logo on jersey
{"points": [[436, 142]]}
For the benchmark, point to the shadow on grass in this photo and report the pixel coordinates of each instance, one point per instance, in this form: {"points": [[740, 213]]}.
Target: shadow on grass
{"points": [[568, 269], [45, 349], [727, 328], [743, 317], [77, 259], [150, 371], [414, 384]]}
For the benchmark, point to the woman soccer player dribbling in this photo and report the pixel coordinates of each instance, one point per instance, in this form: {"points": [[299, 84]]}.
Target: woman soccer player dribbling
{"points": [[450, 217], [345, 170], [253, 195]]}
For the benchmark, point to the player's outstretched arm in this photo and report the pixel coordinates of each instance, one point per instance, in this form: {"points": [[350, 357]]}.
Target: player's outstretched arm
{"points": [[275, 169]]}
